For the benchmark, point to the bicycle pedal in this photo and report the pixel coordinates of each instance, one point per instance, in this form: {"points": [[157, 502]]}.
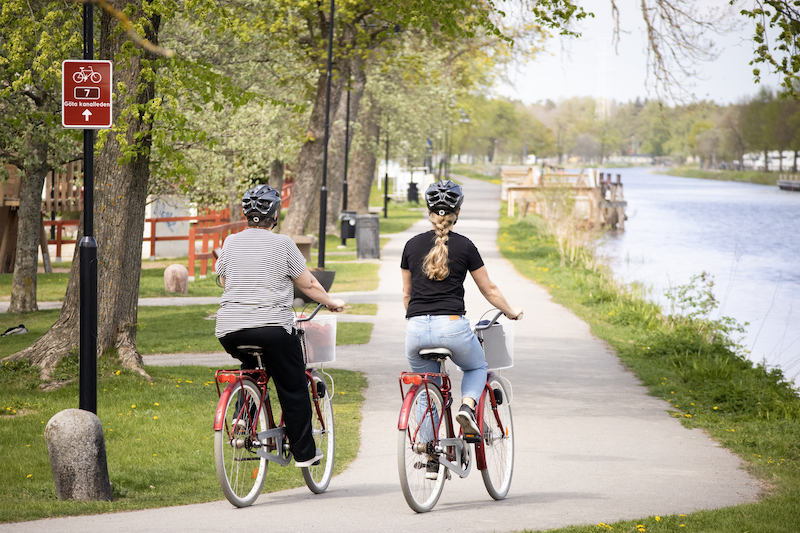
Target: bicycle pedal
{"points": [[472, 438]]}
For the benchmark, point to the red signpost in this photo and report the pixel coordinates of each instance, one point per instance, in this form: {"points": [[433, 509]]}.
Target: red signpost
{"points": [[86, 94]]}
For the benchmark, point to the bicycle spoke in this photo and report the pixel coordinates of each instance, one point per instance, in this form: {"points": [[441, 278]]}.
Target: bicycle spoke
{"points": [[497, 444], [421, 475], [317, 477], [239, 470]]}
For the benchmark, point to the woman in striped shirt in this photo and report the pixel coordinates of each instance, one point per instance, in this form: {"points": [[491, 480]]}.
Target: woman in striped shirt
{"points": [[259, 270]]}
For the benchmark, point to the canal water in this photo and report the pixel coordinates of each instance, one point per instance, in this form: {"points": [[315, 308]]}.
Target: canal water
{"points": [[746, 236]]}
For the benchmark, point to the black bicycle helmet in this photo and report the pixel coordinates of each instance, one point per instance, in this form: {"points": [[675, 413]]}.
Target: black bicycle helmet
{"points": [[444, 197], [260, 203]]}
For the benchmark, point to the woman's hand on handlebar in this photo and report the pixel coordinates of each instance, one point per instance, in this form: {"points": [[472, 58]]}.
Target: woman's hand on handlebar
{"points": [[516, 314], [336, 306]]}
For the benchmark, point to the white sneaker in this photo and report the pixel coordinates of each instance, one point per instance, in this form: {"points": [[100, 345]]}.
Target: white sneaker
{"points": [[310, 462]]}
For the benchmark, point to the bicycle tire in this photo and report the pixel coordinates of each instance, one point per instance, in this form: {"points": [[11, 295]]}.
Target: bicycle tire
{"points": [[318, 476], [421, 493], [497, 442], [240, 470]]}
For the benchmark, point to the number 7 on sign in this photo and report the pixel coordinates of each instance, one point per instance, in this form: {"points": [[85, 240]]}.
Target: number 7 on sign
{"points": [[87, 93]]}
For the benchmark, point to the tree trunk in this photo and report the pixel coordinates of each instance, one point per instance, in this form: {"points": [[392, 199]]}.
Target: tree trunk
{"points": [[308, 176], [276, 172], [336, 172], [362, 172], [23, 285], [119, 212]]}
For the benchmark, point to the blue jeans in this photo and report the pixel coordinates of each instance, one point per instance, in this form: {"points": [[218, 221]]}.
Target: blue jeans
{"points": [[437, 331]]}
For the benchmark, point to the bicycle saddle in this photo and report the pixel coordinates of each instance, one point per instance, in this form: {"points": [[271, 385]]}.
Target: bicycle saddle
{"points": [[435, 354], [250, 349]]}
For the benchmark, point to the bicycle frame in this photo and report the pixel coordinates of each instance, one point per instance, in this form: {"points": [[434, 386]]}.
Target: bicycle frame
{"points": [[454, 456], [452, 449], [275, 432]]}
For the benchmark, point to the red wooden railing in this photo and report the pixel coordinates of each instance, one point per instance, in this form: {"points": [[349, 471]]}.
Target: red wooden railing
{"points": [[215, 234], [209, 220]]}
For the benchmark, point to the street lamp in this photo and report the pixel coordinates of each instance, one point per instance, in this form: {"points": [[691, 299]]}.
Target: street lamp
{"points": [[386, 176], [346, 155], [323, 193]]}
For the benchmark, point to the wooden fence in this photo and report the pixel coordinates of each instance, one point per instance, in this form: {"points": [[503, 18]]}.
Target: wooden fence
{"points": [[214, 235], [208, 220]]}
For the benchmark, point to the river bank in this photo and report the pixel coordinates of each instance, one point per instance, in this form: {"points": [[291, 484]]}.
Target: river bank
{"points": [[690, 361], [744, 176]]}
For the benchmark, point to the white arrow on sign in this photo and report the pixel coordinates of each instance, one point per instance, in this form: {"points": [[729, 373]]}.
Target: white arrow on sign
{"points": [[87, 114]]}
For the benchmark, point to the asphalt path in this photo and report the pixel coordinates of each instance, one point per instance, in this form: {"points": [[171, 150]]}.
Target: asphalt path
{"points": [[591, 445]]}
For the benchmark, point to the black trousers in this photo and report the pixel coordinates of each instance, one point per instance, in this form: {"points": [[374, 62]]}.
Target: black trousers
{"points": [[283, 360]]}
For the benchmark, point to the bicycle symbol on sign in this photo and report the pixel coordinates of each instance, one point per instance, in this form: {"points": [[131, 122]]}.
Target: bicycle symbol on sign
{"points": [[87, 73]]}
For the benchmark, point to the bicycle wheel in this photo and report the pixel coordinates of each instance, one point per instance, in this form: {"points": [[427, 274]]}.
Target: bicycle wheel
{"points": [[239, 470], [319, 476], [421, 475], [497, 442]]}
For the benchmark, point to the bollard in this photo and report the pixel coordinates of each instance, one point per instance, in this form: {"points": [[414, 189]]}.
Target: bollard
{"points": [[77, 452]]}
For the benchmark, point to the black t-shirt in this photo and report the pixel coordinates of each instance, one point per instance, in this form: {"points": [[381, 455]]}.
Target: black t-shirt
{"points": [[446, 297]]}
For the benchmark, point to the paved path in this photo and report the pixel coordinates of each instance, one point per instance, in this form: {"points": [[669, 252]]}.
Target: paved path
{"points": [[591, 445]]}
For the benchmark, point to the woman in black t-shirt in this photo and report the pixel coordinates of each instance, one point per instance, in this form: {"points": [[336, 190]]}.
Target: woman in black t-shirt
{"points": [[434, 266]]}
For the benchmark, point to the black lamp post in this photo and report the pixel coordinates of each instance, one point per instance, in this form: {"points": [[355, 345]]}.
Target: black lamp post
{"points": [[323, 193], [346, 155], [386, 177], [87, 389]]}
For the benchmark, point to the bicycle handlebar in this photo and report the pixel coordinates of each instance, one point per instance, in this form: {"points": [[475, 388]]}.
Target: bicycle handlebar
{"points": [[312, 315], [491, 322]]}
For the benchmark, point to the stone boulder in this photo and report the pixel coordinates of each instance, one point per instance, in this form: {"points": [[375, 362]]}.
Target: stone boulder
{"points": [[176, 279], [77, 452]]}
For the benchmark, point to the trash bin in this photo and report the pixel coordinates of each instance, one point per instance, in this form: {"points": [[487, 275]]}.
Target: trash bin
{"points": [[348, 220], [413, 193], [367, 240]]}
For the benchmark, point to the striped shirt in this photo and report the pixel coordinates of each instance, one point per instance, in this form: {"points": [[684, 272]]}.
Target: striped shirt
{"points": [[259, 267]]}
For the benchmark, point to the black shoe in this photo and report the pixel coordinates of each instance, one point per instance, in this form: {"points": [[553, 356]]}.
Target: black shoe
{"points": [[466, 417]]}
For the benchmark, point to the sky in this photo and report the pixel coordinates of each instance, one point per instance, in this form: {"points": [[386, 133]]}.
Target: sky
{"points": [[574, 67]]}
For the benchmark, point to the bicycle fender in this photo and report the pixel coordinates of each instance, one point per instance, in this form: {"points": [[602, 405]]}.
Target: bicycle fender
{"points": [[480, 456], [219, 416], [402, 423]]}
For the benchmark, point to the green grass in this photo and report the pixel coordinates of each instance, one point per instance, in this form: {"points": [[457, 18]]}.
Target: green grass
{"points": [[350, 276], [168, 329], [692, 363], [749, 176], [489, 173], [158, 437]]}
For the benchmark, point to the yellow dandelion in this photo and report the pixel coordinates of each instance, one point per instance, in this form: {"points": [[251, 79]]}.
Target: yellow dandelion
{"points": [[658, 518], [29, 476], [133, 406], [688, 416], [156, 404], [715, 407], [155, 418]]}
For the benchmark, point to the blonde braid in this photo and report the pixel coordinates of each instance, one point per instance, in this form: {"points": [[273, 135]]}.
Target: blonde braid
{"points": [[436, 264]]}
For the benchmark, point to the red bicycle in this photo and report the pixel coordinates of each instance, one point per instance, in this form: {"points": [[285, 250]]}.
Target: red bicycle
{"points": [[246, 435], [428, 448]]}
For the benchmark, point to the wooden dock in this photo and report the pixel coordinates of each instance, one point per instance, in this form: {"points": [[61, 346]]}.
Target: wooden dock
{"points": [[789, 182], [599, 199]]}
